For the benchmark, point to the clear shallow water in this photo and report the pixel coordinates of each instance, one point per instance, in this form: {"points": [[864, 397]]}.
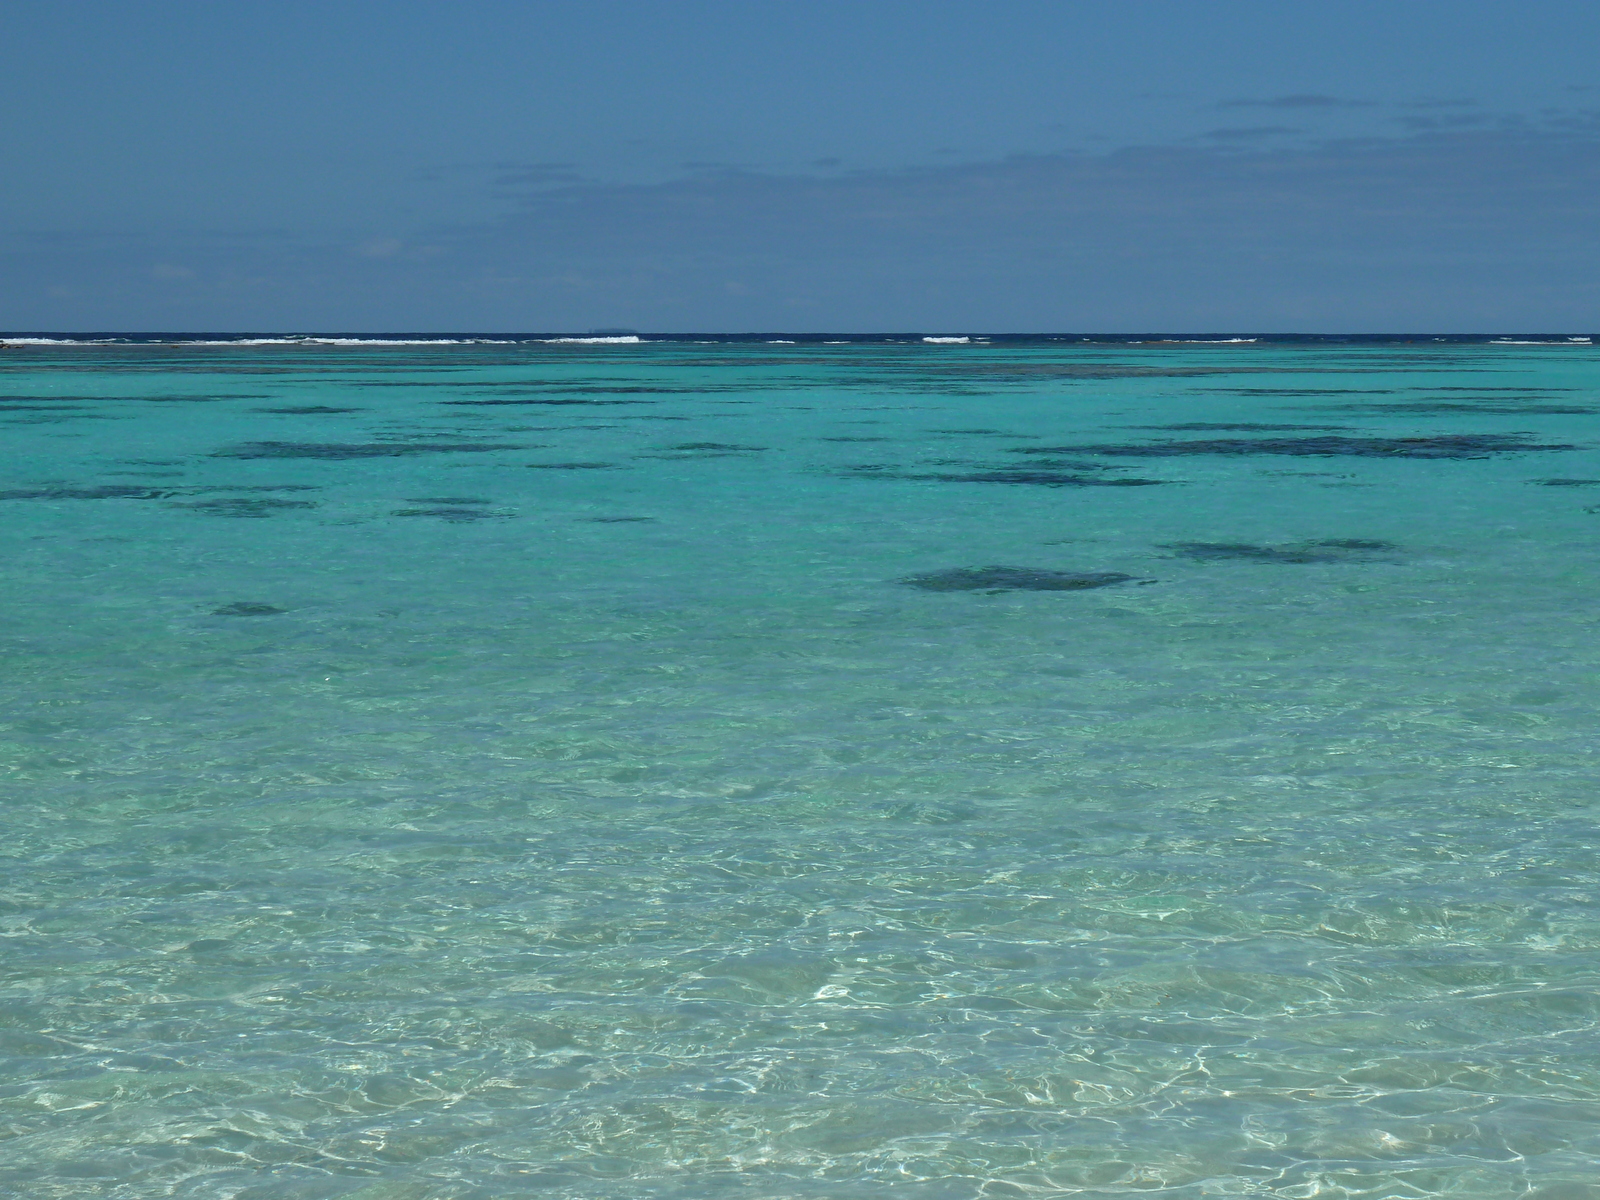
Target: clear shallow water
{"points": [[391, 820]]}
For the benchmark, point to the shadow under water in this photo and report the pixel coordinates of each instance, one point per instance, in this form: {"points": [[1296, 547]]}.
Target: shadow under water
{"points": [[1333, 550], [1448, 445], [346, 450], [246, 608], [1008, 579], [243, 506]]}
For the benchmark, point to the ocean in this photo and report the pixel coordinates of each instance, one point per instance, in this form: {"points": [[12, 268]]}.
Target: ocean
{"points": [[800, 767]]}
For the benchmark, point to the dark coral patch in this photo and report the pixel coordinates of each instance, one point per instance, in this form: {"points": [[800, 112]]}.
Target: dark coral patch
{"points": [[54, 418], [106, 491], [1332, 550], [259, 487], [597, 389], [1198, 426], [196, 399], [128, 491], [1455, 408], [1008, 579], [704, 450], [243, 506], [307, 410], [455, 514], [551, 400], [1251, 391], [1449, 445], [1066, 464], [348, 450], [586, 389], [56, 399], [1031, 371], [1036, 479], [982, 433]]}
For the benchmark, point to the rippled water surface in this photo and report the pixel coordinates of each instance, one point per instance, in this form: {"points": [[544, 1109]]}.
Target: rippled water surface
{"points": [[823, 771]]}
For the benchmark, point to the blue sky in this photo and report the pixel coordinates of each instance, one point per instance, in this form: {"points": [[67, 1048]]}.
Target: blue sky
{"points": [[801, 166]]}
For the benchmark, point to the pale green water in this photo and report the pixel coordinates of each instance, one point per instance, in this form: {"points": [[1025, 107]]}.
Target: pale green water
{"points": [[530, 851]]}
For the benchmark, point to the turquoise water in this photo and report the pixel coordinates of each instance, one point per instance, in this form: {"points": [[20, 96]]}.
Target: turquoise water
{"points": [[532, 774]]}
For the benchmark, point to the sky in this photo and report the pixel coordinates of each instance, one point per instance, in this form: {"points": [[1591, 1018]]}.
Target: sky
{"points": [[878, 165]]}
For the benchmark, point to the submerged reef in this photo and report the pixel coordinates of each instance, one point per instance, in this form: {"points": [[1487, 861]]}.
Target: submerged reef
{"points": [[1032, 370], [585, 389], [104, 491], [344, 450], [455, 511], [1009, 579], [1241, 427], [1261, 391], [1453, 408], [307, 410], [538, 400], [172, 399], [1036, 478], [1447, 445], [1332, 550], [130, 491], [1042, 476], [244, 506], [981, 433], [703, 450]]}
